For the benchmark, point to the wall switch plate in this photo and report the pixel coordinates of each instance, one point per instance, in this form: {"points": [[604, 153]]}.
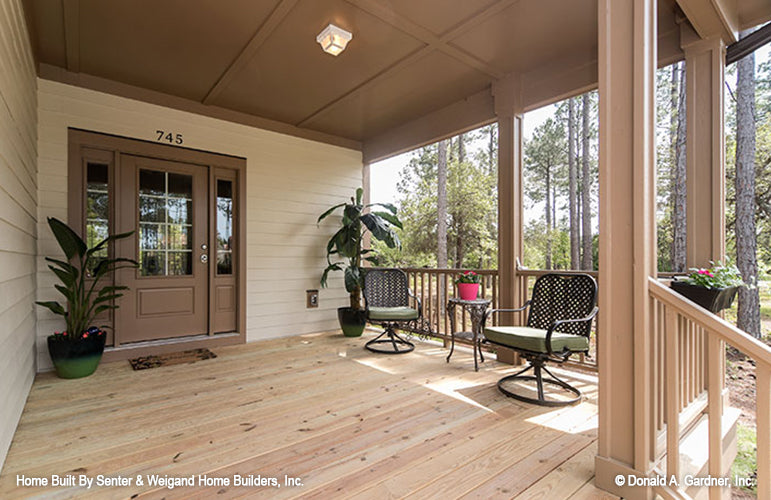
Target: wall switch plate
{"points": [[311, 298]]}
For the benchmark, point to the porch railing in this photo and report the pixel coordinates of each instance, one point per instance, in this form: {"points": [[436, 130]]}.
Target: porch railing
{"points": [[436, 286], [688, 381]]}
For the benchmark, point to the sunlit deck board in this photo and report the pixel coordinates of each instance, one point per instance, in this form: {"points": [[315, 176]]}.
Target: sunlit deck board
{"points": [[349, 423]]}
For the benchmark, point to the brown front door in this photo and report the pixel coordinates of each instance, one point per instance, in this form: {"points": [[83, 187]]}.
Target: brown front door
{"points": [[165, 202]]}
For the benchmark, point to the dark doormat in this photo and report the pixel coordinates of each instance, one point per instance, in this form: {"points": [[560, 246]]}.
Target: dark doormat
{"points": [[174, 358]]}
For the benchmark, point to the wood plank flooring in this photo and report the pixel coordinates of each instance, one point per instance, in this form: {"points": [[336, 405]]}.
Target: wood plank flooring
{"points": [[346, 423]]}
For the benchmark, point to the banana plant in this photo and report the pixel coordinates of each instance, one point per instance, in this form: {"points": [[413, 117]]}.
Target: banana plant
{"points": [[346, 243], [80, 275]]}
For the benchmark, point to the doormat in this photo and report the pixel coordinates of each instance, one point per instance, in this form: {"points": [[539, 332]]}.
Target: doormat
{"points": [[174, 358]]}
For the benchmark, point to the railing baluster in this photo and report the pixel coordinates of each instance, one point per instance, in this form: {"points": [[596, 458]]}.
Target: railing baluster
{"points": [[672, 340], [716, 351], [763, 421]]}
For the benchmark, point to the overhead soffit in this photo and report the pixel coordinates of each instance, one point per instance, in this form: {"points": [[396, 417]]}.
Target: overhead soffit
{"points": [[290, 78], [407, 58], [399, 97]]}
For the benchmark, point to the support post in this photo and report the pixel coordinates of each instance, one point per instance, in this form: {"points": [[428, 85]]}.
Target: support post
{"points": [[705, 151], [508, 108], [627, 66]]}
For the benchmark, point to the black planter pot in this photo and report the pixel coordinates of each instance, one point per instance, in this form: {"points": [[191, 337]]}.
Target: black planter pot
{"points": [[76, 358], [352, 321], [712, 299]]}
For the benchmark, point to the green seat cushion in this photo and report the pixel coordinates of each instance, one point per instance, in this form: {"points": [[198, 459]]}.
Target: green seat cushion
{"points": [[534, 340], [392, 313]]}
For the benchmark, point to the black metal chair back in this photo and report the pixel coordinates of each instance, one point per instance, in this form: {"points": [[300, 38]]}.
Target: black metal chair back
{"points": [[560, 296], [386, 288]]}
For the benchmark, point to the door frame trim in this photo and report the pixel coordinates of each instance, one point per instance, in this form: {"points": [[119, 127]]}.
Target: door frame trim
{"points": [[79, 139]]}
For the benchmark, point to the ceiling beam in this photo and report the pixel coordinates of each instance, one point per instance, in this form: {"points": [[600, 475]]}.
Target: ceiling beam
{"points": [[86, 81], [71, 14], [251, 48], [454, 33], [467, 114], [748, 44], [388, 16], [713, 18]]}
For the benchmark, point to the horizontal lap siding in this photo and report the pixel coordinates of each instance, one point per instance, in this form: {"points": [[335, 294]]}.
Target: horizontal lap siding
{"points": [[18, 218], [290, 181]]}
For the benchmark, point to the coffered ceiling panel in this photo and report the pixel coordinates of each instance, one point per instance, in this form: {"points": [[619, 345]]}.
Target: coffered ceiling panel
{"points": [[424, 86], [529, 31], [176, 47], [290, 77], [439, 16]]}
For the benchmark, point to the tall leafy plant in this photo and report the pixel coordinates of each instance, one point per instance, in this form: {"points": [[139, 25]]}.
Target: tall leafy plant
{"points": [[80, 276], [346, 243]]}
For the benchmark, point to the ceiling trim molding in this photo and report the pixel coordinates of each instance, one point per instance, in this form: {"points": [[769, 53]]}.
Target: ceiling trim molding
{"points": [[467, 114], [48, 72], [461, 28], [71, 10], [251, 48], [712, 17], [405, 61], [424, 35]]}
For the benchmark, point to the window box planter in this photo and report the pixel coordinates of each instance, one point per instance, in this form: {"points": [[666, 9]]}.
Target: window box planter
{"points": [[711, 299]]}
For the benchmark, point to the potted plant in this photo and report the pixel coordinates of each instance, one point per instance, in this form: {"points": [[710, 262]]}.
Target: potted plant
{"points": [[468, 285], [346, 243], [712, 288], [76, 352]]}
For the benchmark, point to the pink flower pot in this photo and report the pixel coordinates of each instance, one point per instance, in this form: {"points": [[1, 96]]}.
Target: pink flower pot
{"points": [[468, 291]]}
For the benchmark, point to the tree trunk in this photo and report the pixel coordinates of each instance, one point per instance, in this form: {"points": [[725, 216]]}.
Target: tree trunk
{"points": [[678, 182], [459, 244], [547, 205], [491, 152], [461, 148], [748, 317], [586, 186], [441, 207], [573, 187]]}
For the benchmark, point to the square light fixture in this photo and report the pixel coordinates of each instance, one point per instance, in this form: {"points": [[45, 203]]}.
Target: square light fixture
{"points": [[333, 39]]}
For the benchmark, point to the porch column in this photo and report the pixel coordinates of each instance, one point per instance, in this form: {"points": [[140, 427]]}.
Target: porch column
{"points": [[366, 199], [510, 248], [705, 150], [627, 66]]}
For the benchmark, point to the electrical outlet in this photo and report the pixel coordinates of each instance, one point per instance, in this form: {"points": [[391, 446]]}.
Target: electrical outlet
{"points": [[311, 298]]}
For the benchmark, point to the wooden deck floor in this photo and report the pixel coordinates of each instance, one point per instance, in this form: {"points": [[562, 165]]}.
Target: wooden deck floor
{"points": [[346, 422]]}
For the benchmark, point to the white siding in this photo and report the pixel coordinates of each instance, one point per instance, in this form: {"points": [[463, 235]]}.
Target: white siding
{"points": [[290, 181], [18, 218]]}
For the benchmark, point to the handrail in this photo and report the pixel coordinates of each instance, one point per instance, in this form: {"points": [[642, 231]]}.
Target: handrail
{"points": [[718, 333], [728, 332]]}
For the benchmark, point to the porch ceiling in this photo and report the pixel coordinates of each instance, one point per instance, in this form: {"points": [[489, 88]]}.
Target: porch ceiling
{"points": [[407, 59]]}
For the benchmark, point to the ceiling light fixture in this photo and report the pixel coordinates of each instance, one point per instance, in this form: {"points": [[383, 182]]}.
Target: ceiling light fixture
{"points": [[333, 39]]}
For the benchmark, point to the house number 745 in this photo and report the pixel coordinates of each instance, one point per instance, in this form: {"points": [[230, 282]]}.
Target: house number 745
{"points": [[169, 137]]}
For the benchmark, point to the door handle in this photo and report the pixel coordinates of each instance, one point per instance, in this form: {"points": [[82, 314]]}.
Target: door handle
{"points": [[204, 258]]}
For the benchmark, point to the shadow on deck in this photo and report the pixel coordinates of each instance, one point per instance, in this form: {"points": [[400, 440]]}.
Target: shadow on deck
{"points": [[320, 408]]}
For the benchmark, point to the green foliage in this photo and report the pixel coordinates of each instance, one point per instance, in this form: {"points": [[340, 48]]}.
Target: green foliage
{"points": [[468, 277], [717, 276], [347, 241], [472, 238], [746, 465], [80, 281]]}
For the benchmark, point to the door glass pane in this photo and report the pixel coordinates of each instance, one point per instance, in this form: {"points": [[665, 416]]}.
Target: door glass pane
{"points": [[165, 223], [152, 263], [97, 209], [224, 227]]}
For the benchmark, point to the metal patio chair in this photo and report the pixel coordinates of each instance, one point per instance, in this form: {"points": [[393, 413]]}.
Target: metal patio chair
{"points": [[387, 298], [559, 320]]}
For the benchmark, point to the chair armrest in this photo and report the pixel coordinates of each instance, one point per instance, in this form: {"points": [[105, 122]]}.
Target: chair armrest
{"points": [[490, 312], [559, 322], [417, 299]]}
